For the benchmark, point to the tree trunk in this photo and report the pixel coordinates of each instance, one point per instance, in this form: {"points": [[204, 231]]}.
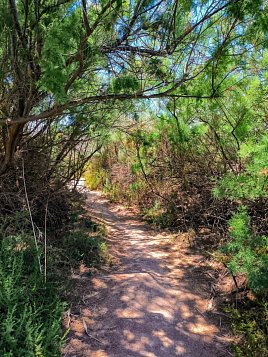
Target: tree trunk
{"points": [[11, 141]]}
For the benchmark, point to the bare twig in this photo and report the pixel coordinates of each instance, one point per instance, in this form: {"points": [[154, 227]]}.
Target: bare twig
{"points": [[87, 333], [45, 242], [30, 214]]}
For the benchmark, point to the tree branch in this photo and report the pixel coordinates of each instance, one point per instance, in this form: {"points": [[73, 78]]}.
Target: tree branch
{"points": [[58, 110], [179, 39], [134, 49], [16, 22]]}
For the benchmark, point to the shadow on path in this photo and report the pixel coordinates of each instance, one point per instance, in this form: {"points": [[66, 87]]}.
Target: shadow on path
{"points": [[154, 304]]}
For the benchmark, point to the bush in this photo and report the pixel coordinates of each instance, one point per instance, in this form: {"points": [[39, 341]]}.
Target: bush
{"points": [[30, 310], [250, 322], [84, 248], [31, 307], [248, 253], [95, 174]]}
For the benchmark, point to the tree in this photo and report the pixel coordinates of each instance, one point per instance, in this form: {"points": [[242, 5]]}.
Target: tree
{"points": [[66, 57]]}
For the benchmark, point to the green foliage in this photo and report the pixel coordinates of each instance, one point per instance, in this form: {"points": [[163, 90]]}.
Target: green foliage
{"points": [[248, 7], [61, 39], [158, 215], [96, 177], [113, 192], [31, 305], [82, 247], [250, 322], [249, 253], [54, 53], [252, 182], [124, 83], [95, 180], [30, 310]]}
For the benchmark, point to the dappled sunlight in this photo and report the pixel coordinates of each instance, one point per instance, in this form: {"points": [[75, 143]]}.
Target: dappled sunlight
{"points": [[201, 328], [98, 284], [161, 306], [135, 344], [152, 304], [180, 350], [185, 312], [161, 335], [129, 313]]}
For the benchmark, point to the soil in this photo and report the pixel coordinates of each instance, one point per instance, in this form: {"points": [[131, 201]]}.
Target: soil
{"points": [[155, 301]]}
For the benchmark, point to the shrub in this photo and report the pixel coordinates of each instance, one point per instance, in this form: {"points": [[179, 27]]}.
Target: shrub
{"points": [[250, 321], [82, 247], [30, 310], [248, 253]]}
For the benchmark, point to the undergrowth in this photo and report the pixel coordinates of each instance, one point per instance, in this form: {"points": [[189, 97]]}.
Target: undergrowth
{"points": [[30, 309], [246, 252], [84, 243], [32, 302], [250, 321]]}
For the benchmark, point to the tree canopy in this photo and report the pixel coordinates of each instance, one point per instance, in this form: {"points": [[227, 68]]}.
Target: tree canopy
{"points": [[60, 57]]}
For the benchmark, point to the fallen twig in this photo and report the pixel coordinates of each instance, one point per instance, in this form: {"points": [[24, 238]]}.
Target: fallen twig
{"points": [[86, 331]]}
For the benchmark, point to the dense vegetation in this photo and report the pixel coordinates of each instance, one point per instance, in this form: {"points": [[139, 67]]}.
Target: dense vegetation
{"points": [[165, 99], [201, 176], [35, 281]]}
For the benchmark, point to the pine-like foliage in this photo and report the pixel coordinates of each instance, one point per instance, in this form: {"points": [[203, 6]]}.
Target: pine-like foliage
{"points": [[252, 182], [30, 312], [248, 252]]}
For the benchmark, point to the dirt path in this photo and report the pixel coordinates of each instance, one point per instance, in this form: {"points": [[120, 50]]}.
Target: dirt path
{"points": [[152, 304]]}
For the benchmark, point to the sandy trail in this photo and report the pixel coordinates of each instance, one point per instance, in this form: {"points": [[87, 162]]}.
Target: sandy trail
{"points": [[153, 303]]}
